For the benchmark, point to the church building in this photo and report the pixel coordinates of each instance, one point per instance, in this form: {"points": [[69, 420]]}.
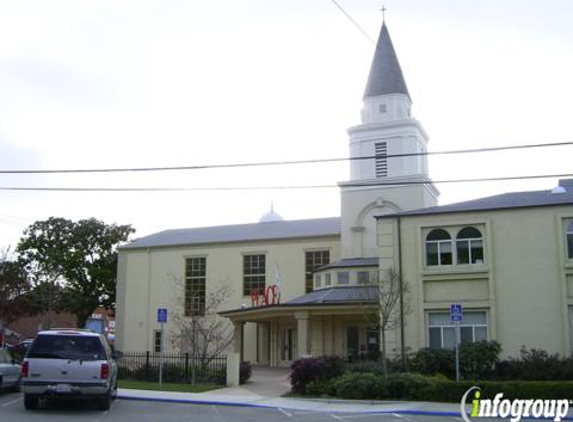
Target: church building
{"points": [[311, 287]]}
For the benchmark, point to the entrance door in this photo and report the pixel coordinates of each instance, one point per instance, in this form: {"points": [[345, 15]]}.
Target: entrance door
{"points": [[373, 339], [352, 342], [286, 344]]}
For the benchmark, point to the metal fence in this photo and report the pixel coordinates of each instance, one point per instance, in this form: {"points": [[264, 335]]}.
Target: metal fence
{"points": [[177, 367]]}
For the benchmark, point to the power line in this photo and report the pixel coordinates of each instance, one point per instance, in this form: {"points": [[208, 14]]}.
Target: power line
{"points": [[294, 187], [13, 217], [356, 24], [281, 163]]}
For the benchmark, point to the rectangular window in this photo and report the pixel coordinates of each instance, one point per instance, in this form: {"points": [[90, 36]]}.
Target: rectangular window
{"points": [[363, 277], [317, 281], [327, 281], [569, 235], [442, 332], [195, 286], [254, 274], [381, 162], [343, 277], [157, 341], [314, 260]]}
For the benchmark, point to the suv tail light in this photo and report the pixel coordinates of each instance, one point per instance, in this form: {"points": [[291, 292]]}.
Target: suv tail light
{"points": [[25, 369], [104, 373]]}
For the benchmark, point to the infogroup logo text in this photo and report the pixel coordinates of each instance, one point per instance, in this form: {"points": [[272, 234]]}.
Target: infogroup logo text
{"points": [[514, 409]]}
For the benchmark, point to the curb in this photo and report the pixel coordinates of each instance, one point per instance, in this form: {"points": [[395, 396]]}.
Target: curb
{"points": [[270, 406], [412, 412]]}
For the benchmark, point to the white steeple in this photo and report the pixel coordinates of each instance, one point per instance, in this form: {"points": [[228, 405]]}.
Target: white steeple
{"points": [[388, 127], [396, 178]]}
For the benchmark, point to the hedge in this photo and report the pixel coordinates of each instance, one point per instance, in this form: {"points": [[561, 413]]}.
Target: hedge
{"points": [[409, 386]]}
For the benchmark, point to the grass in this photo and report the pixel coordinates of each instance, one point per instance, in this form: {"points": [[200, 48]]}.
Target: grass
{"points": [[166, 386]]}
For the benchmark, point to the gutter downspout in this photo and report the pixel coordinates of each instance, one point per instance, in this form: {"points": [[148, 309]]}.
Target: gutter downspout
{"points": [[402, 345]]}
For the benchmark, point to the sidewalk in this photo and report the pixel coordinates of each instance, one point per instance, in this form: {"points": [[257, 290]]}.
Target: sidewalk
{"points": [[230, 397]]}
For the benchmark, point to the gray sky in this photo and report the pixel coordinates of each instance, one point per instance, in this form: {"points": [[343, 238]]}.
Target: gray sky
{"points": [[112, 83]]}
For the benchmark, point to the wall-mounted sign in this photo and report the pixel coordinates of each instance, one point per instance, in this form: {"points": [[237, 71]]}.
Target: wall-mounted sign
{"points": [[270, 296]]}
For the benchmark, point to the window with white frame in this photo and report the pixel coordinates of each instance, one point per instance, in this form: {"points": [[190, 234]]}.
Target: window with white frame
{"points": [[312, 261], [343, 277], [469, 246], [327, 281], [442, 332], [438, 248], [363, 277], [195, 286], [569, 235], [254, 274], [317, 281], [157, 341]]}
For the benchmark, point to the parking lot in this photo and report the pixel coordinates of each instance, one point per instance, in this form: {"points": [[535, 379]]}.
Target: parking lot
{"points": [[12, 409]]}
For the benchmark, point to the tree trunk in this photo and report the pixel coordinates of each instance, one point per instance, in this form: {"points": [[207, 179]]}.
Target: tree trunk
{"points": [[384, 363]]}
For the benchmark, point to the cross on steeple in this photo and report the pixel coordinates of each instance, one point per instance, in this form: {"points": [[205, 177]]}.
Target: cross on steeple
{"points": [[383, 10]]}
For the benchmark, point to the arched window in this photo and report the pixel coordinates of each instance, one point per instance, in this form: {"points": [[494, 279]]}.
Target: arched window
{"points": [[570, 241], [438, 248], [469, 246]]}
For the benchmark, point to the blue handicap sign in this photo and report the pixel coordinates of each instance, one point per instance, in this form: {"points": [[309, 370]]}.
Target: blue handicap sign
{"points": [[162, 315], [456, 312]]}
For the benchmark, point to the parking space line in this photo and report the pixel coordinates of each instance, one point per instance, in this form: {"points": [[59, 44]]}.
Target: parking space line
{"points": [[10, 402], [284, 412]]}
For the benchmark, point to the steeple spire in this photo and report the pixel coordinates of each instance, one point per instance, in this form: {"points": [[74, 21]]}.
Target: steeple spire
{"points": [[385, 73]]}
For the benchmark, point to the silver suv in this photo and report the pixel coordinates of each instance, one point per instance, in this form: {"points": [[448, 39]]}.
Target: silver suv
{"points": [[69, 363]]}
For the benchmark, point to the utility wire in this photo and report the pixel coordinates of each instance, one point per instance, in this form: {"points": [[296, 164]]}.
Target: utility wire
{"points": [[257, 188], [356, 24], [282, 163]]}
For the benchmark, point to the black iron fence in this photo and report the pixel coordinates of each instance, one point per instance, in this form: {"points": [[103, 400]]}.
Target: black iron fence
{"points": [[177, 367]]}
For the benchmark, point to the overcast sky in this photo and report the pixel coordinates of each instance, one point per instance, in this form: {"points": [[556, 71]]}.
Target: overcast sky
{"points": [[141, 83]]}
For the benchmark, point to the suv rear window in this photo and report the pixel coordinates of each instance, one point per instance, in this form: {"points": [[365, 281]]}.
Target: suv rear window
{"points": [[5, 356], [67, 347]]}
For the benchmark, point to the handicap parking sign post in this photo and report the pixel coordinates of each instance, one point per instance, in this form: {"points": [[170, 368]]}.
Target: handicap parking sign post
{"points": [[161, 315], [161, 319], [456, 312], [456, 316]]}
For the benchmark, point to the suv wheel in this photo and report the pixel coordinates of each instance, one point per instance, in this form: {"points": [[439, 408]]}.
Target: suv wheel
{"points": [[114, 391], [105, 401], [30, 402]]}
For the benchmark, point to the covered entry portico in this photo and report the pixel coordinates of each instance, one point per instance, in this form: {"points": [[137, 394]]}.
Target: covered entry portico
{"points": [[337, 321]]}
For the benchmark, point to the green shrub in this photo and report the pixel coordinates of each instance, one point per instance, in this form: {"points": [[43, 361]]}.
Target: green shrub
{"points": [[321, 388], [429, 361], [408, 386], [535, 364], [478, 360], [305, 370], [366, 366], [357, 386]]}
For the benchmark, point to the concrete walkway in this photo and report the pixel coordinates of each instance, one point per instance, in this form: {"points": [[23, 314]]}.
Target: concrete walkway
{"points": [[264, 382]]}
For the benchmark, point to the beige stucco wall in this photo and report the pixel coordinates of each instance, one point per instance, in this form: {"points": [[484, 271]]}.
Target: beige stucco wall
{"points": [[359, 206], [522, 284], [152, 278]]}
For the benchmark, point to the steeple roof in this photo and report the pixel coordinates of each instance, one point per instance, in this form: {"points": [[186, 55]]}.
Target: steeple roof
{"points": [[385, 72]]}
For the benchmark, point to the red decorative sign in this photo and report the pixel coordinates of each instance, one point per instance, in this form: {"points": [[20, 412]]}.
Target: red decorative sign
{"points": [[270, 296]]}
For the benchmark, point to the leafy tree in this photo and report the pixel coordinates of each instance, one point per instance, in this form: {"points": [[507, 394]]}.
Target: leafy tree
{"points": [[15, 291], [80, 258]]}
